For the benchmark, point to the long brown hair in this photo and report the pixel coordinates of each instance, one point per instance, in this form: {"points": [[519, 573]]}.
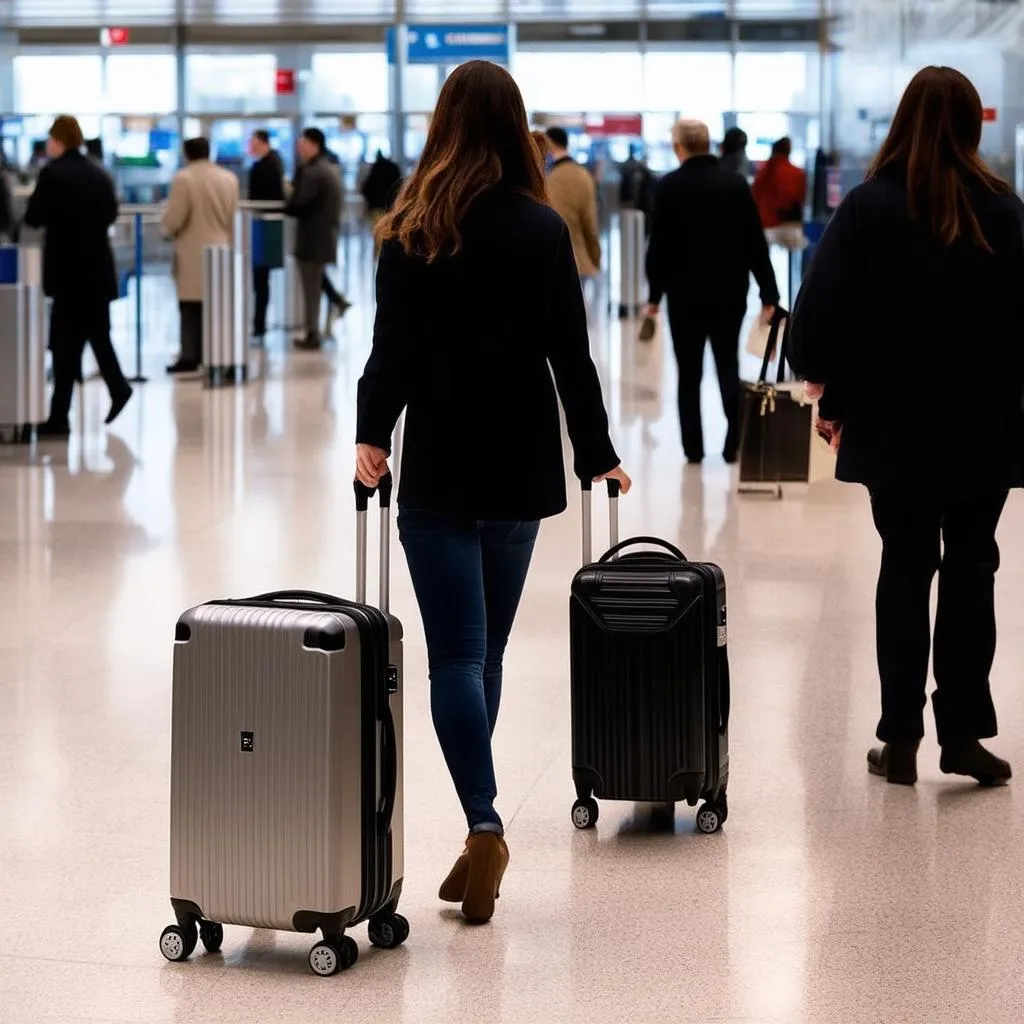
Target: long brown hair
{"points": [[933, 143], [479, 137]]}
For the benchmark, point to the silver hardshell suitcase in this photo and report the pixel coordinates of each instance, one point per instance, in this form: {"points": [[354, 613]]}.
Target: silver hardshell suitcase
{"points": [[286, 767]]}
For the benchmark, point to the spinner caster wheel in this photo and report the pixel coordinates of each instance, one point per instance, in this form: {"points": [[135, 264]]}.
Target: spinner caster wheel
{"points": [[325, 959], [349, 950], [584, 813], [211, 935], [177, 943], [389, 932], [709, 819], [723, 807]]}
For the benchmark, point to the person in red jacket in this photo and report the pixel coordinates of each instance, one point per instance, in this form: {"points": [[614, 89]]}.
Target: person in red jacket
{"points": [[780, 188]]}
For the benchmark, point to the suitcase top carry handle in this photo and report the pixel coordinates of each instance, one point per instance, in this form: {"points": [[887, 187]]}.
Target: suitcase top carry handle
{"points": [[614, 488], [313, 596], [614, 551], [780, 323], [363, 495]]}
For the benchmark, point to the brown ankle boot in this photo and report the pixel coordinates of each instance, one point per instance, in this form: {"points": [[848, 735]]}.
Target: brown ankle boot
{"points": [[453, 888], [488, 859]]}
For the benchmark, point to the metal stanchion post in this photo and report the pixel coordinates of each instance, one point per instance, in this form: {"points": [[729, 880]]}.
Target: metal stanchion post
{"points": [[137, 221], [225, 354], [631, 242], [22, 343]]}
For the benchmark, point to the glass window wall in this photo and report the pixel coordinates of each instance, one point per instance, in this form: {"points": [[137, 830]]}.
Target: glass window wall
{"points": [[230, 82], [350, 83]]}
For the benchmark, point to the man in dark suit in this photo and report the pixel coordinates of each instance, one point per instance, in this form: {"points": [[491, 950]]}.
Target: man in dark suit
{"points": [[706, 241], [74, 202], [266, 185]]}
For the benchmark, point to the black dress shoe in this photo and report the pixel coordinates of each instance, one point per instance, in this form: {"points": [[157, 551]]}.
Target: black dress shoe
{"points": [[311, 343], [183, 367], [117, 406], [53, 431], [972, 759], [896, 762]]}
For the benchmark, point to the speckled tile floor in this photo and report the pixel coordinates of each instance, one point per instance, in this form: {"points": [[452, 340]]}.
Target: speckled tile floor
{"points": [[829, 897]]}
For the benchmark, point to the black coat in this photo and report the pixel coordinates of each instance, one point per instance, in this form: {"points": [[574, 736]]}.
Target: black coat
{"points": [[316, 203], [918, 344], [468, 345], [266, 179], [382, 184], [707, 239], [74, 202]]}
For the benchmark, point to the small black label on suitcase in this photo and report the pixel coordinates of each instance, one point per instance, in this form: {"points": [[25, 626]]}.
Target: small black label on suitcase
{"points": [[247, 742]]}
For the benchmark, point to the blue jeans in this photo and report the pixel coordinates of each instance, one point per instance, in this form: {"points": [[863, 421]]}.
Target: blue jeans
{"points": [[468, 577]]}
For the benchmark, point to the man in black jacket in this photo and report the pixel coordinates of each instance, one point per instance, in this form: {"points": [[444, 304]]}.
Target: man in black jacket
{"points": [[75, 203], [706, 240], [266, 185]]}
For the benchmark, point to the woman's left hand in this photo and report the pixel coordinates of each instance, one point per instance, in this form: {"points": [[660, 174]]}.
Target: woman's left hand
{"points": [[371, 464]]}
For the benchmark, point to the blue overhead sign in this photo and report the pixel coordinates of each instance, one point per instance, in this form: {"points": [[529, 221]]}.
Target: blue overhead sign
{"points": [[452, 44]]}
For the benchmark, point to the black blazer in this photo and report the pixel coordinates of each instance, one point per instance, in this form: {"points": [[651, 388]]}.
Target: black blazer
{"points": [[266, 179], [468, 344], [74, 201], [706, 239], [919, 344]]}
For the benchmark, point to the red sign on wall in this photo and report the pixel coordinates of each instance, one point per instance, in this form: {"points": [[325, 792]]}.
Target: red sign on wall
{"points": [[114, 37], [284, 82], [988, 113], [614, 124]]}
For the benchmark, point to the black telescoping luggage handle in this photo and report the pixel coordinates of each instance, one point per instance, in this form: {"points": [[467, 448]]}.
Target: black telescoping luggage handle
{"points": [[612, 553], [614, 489], [779, 323], [363, 495]]}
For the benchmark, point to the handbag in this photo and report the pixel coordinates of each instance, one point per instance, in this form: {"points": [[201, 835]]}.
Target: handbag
{"points": [[778, 443]]}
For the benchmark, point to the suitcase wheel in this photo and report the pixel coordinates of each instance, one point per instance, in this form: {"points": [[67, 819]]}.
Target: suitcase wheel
{"points": [[710, 819], [584, 813], [329, 957], [177, 943], [211, 935], [389, 931]]}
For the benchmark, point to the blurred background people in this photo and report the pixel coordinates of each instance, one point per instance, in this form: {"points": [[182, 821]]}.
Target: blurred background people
{"points": [[200, 212], [733, 152], [572, 191], [266, 185], [636, 185], [780, 191], [316, 204], [706, 240], [75, 205], [380, 187], [918, 276]]}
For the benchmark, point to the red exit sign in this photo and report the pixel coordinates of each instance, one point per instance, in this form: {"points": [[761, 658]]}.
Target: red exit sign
{"points": [[284, 82], [115, 36], [988, 113]]}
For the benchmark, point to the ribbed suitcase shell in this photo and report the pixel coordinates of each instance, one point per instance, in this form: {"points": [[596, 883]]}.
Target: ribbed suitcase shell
{"points": [[280, 835], [650, 686]]}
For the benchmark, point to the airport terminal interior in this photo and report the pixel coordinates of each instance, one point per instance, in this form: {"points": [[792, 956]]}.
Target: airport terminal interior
{"points": [[827, 897]]}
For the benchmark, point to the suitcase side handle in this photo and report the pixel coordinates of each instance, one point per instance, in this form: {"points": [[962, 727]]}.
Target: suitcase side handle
{"points": [[363, 495], [614, 487], [614, 550], [389, 772]]}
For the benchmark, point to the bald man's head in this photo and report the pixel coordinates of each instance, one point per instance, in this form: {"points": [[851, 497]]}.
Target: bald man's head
{"points": [[691, 138]]}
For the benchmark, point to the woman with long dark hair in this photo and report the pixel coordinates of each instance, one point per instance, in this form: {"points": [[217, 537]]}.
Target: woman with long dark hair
{"points": [[916, 284], [478, 304]]}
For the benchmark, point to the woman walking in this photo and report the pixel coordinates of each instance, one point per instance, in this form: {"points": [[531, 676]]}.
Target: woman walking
{"points": [[478, 295], [918, 278]]}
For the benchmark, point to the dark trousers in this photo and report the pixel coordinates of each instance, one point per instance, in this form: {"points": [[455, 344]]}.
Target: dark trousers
{"points": [[312, 277], [468, 577], [191, 333], [334, 297], [956, 539], [72, 324], [261, 299], [691, 330]]}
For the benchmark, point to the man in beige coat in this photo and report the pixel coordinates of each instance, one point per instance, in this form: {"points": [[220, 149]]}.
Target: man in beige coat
{"points": [[200, 212], [573, 193]]}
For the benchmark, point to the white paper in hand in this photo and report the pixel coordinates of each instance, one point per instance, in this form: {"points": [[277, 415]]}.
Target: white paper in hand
{"points": [[757, 339]]}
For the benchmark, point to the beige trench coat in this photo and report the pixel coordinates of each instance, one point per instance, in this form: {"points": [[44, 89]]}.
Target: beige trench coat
{"points": [[573, 193], [200, 212]]}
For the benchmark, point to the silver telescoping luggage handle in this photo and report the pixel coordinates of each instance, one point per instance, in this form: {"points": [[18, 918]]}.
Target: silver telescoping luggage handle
{"points": [[614, 487], [363, 495]]}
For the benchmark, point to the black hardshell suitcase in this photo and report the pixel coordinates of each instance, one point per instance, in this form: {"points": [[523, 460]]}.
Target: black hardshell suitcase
{"points": [[650, 677]]}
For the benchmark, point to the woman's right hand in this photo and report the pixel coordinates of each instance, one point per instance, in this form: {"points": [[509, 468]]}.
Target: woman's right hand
{"points": [[371, 464], [618, 473]]}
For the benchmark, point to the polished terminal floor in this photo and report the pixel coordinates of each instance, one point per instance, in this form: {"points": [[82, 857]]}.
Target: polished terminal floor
{"points": [[828, 897]]}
